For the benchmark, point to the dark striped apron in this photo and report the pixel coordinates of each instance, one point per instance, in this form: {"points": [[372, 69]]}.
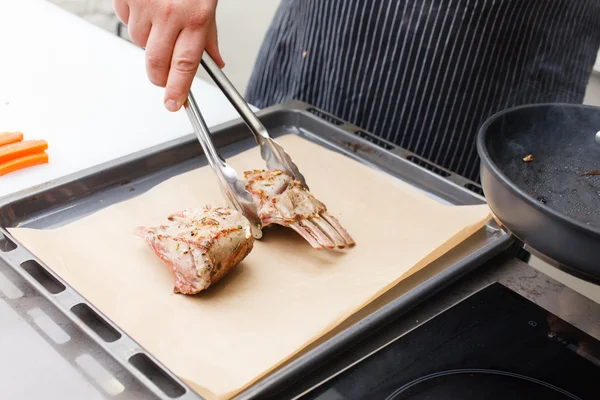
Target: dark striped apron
{"points": [[425, 74]]}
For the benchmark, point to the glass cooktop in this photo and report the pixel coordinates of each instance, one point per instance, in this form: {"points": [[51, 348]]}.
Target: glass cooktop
{"points": [[493, 345]]}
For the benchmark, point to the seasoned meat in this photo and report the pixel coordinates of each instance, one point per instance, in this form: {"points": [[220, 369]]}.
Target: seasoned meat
{"points": [[284, 201], [200, 246]]}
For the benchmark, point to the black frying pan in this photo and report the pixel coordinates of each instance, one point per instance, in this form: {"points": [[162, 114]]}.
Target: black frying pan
{"points": [[552, 204]]}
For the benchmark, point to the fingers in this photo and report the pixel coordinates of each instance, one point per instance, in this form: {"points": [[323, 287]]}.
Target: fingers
{"points": [[159, 51], [174, 34], [184, 65], [139, 27], [122, 11], [212, 45]]}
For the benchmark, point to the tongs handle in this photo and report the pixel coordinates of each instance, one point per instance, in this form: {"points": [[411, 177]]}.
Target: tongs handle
{"points": [[236, 99], [271, 152], [233, 188]]}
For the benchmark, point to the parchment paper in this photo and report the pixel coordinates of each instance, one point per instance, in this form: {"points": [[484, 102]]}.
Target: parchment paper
{"points": [[284, 296]]}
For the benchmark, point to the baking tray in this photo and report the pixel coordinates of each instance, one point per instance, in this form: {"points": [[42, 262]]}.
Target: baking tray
{"points": [[62, 201]]}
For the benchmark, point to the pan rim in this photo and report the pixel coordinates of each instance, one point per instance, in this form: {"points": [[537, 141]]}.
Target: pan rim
{"points": [[485, 157]]}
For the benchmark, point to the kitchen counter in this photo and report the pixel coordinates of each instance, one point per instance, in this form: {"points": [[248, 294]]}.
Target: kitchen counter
{"points": [[83, 90]]}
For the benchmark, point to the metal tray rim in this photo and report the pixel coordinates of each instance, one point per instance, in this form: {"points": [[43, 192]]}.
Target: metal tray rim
{"points": [[92, 170], [501, 243]]}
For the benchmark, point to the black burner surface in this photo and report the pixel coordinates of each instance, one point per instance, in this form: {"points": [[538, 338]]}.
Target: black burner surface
{"points": [[493, 345], [469, 384]]}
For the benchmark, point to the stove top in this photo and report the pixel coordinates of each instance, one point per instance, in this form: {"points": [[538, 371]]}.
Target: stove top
{"points": [[495, 344]]}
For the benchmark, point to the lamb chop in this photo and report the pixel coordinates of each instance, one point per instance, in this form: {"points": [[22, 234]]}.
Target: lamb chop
{"points": [[200, 246], [284, 201]]}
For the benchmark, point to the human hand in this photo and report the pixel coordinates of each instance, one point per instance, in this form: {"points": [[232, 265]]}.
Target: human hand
{"points": [[174, 33]]}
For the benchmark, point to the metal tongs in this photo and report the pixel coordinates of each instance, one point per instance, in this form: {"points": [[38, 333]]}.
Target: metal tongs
{"points": [[274, 155]]}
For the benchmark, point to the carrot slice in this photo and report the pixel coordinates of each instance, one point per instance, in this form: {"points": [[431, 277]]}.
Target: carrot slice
{"points": [[23, 162], [10, 137], [21, 149]]}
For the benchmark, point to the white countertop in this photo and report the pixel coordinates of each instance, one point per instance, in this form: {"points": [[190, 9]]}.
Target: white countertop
{"points": [[84, 90]]}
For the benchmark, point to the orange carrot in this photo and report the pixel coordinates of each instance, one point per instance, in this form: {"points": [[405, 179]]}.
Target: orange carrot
{"points": [[10, 137], [21, 149], [23, 162]]}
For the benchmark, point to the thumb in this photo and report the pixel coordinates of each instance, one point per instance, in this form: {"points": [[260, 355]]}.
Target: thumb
{"points": [[212, 45]]}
